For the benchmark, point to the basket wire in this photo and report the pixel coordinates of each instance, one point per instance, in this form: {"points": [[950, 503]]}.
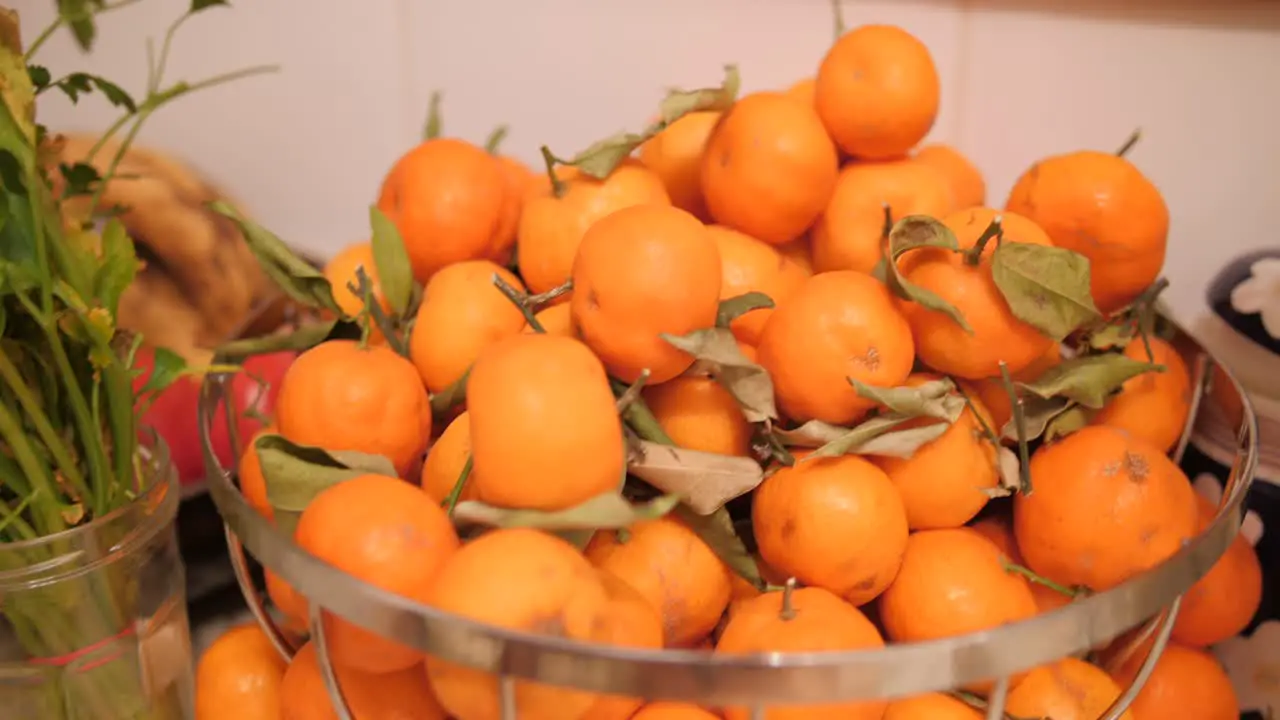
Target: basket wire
{"points": [[759, 681]]}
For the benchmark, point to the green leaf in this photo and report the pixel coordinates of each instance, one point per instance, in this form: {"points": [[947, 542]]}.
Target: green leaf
{"points": [[717, 531], [81, 178], [79, 16], [303, 338], [198, 5], [1045, 287], [1089, 379], [40, 77], [600, 158], [434, 125], [11, 175], [114, 94], [118, 266], [716, 352], [914, 232], [705, 480], [936, 399], [391, 259], [1067, 422], [735, 307], [293, 275], [1038, 413], [880, 436], [166, 367], [74, 86], [295, 474], [604, 512]]}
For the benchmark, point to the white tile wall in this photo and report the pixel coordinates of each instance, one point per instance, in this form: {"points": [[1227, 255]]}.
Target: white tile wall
{"points": [[1022, 78]]}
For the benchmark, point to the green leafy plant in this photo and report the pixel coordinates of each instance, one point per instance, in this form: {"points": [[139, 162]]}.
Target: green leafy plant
{"points": [[70, 386]]}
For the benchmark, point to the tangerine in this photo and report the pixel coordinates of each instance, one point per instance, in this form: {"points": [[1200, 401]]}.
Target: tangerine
{"points": [[804, 620], [461, 314], [993, 394], [674, 569], [945, 482], [673, 711], [1186, 683], [769, 168], [387, 533], [641, 272], [290, 603], [534, 400], [836, 523], [877, 92], [239, 677], [835, 326], [634, 623], [1069, 689], [446, 459], [520, 184], [850, 233], [447, 197], [700, 414], [1101, 206], [249, 475], [999, 531], [675, 154], [749, 265], [340, 396], [952, 582], [995, 335], [932, 706], [370, 696], [968, 188], [340, 271], [555, 320], [1154, 405], [527, 580], [1223, 602], [804, 91], [799, 252], [552, 226], [1106, 506]]}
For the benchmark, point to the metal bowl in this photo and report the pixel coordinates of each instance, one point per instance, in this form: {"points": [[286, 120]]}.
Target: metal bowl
{"points": [[763, 680]]}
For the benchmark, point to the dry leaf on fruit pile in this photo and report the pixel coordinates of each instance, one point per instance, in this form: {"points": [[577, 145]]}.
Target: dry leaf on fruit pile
{"points": [[716, 353], [881, 434], [609, 511], [716, 530], [706, 481], [913, 233], [294, 474], [1065, 397]]}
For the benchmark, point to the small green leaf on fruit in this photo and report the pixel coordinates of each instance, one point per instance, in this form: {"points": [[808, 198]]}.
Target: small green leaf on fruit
{"points": [[1067, 422], [705, 480], [1089, 379], [294, 474], [1038, 412], [679, 103], [1045, 287], [717, 531], [935, 399], [391, 260], [735, 307], [915, 232], [293, 275], [609, 511], [716, 352]]}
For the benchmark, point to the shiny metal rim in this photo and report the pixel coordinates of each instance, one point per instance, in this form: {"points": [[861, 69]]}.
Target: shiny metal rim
{"points": [[746, 680]]}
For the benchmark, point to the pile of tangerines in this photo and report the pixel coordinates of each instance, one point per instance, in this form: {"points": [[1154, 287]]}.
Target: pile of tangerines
{"points": [[765, 376]]}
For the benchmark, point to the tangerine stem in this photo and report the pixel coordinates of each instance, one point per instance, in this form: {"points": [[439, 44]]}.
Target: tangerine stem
{"points": [[557, 185], [837, 16], [632, 393], [987, 430], [1020, 427], [434, 125], [1128, 144], [520, 300], [495, 139], [995, 231], [451, 501], [537, 301], [640, 418], [887, 229], [1032, 576], [453, 394], [788, 611]]}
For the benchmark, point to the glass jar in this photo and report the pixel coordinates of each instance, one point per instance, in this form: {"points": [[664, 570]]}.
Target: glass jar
{"points": [[93, 620]]}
